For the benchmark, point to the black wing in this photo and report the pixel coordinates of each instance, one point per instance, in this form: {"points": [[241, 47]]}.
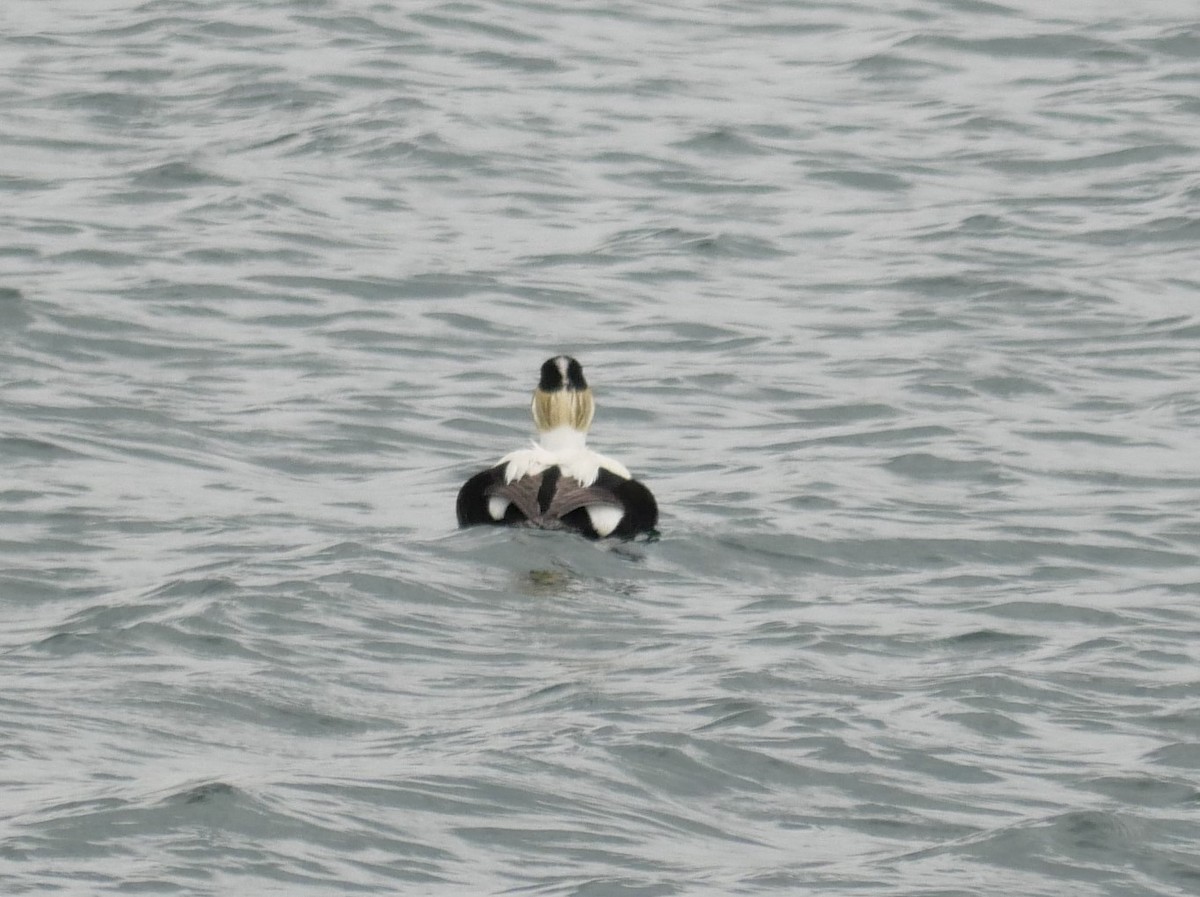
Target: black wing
{"points": [[552, 501], [472, 504], [640, 511]]}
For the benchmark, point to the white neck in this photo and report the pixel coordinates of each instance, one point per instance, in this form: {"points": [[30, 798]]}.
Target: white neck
{"points": [[562, 439]]}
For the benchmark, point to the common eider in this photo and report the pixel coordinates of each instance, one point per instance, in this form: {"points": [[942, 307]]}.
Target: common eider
{"points": [[560, 483]]}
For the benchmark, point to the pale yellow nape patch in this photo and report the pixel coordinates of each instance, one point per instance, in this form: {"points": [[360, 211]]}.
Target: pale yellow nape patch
{"points": [[563, 408]]}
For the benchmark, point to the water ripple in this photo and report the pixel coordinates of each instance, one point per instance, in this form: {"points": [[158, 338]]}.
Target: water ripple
{"points": [[889, 306]]}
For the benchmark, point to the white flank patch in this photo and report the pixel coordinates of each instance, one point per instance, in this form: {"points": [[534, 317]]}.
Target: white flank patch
{"points": [[497, 505], [605, 518]]}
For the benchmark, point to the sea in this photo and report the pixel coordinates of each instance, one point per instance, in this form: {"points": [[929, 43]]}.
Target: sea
{"points": [[894, 305]]}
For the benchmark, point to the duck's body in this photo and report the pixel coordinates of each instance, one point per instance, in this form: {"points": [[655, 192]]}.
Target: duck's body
{"points": [[559, 483]]}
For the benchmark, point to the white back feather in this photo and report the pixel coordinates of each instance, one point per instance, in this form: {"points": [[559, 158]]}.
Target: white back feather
{"points": [[566, 448]]}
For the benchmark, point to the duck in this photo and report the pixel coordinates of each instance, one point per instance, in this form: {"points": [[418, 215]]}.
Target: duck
{"points": [[559, 483]]}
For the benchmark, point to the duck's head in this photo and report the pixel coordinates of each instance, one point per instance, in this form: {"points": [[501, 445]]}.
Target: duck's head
{"points": [[562, 397]]}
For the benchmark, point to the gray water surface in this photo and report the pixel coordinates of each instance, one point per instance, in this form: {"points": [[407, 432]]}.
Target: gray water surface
{"points": [[893, 304]]}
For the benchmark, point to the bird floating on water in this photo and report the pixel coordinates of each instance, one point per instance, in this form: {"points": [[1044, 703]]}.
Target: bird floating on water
{"points": [[560, 483]]}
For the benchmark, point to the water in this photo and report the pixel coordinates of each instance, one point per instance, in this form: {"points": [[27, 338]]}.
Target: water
{"points": [[894, 305]]}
